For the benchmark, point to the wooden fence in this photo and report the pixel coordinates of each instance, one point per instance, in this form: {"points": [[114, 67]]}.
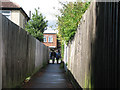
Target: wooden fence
{"points": [[93, 56], [21, 54], [0, 52]]}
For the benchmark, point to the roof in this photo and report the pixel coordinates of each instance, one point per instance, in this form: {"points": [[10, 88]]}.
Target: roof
{"points": [[5, 0], [49, 32], [8, 5]]}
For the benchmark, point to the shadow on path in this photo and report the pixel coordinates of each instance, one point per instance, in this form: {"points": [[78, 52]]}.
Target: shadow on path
{"points": [[51, 77]]}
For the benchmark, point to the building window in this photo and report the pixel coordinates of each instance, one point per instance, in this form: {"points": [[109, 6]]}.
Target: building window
{"points": [[45, 39], [6, 13], [50, 39]]}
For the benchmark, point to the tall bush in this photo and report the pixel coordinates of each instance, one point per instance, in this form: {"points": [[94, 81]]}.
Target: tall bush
{"points": [[71, 13]]}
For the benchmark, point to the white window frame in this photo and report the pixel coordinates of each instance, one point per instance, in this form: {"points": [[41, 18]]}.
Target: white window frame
{"points": [[45, 39], [8, 15], [50, 39]]}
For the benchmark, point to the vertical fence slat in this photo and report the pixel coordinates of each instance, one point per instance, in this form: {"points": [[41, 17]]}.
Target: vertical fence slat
{"points": [[0, 51]]}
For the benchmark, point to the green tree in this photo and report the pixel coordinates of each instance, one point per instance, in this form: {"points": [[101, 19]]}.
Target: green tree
{"points": [[68, 21], [36, 25]]}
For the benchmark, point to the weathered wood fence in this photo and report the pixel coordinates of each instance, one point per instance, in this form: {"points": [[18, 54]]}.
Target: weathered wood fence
{"points": [[0, 53], [20, 53], [93, 57]]}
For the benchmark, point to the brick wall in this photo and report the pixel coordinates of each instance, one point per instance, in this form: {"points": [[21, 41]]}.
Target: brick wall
{"points": [[54, 43]]}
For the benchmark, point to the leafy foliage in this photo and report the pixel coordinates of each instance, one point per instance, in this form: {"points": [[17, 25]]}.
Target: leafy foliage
{"points": [[36, 25], [70, 18]]}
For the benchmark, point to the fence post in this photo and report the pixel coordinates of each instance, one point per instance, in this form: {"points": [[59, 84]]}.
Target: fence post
{"points": [[0, 52]]}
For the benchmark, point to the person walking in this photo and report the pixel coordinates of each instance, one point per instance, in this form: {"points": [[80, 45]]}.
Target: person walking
{"points": [[58, 55], [53, 55]]}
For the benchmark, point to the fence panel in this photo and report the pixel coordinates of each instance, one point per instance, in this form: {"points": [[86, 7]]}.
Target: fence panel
{"points": [[0, 51], [95, 61], [19, 54]]}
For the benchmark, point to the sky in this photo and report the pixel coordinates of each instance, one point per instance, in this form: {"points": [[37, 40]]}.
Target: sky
{"points": [[49, 8]]}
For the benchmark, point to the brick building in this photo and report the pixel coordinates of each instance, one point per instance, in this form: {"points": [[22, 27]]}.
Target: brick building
{"points": [[50, 39]]}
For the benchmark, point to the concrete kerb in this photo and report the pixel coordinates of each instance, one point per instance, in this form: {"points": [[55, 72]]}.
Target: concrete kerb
{"points": [[71, 78]]}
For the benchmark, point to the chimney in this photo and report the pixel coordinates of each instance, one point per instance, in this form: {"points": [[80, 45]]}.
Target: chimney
{"points": [[30, 14]]}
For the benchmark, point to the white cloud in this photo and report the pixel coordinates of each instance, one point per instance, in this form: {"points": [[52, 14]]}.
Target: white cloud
{"points": [[48, 8]]}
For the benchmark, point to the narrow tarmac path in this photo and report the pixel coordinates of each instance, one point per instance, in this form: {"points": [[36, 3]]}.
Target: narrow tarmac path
{"points": [[51, 77]]}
